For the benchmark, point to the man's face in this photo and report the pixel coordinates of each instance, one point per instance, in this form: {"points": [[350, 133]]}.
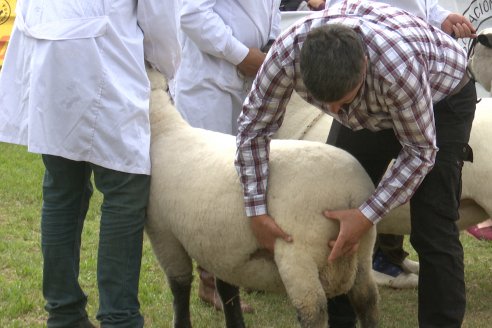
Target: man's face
{"points": [[335, 106]]}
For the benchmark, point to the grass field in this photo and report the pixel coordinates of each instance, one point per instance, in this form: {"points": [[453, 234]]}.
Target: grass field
{"points": [[21, 302]]}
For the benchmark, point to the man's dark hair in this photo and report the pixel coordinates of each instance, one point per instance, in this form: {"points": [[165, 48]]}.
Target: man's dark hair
{"points": [[332, 62]]}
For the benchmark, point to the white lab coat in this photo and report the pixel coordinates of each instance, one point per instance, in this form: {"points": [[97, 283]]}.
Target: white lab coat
{"points": [[74, 84], [158, 20], [428, 10], [216, 35]]}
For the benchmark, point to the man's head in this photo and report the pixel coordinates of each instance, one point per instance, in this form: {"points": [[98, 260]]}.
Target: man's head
{"points": [[332, 62]]}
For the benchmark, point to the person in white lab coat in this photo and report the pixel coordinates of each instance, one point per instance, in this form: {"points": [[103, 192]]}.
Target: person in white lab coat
{"points": [[221, 53], [74, 89], [224, 44]]}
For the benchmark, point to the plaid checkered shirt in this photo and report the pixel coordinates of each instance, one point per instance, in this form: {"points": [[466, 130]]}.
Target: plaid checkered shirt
{"points": [[411, 65]]}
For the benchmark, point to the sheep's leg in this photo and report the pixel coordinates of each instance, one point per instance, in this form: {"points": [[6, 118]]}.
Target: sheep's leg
{"points": [[178, 268], [364, 297], [300, 276], [181, 289], [231, 302]]}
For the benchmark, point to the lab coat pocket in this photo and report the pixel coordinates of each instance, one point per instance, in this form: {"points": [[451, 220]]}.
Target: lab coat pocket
{"points": [[64, 19]]}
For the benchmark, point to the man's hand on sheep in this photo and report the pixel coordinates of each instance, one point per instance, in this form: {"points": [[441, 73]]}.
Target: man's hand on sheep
{"points": [[458, 26], [353, 225], [267, 231]]}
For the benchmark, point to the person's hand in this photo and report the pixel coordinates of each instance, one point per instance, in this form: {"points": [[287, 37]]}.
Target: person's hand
{"points": [[252, 62], [316, 4], [458, 26], [267, 231], [353, 225]]}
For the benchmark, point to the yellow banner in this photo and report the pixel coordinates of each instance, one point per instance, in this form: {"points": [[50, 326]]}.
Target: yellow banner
{"points": [[7, 16]]}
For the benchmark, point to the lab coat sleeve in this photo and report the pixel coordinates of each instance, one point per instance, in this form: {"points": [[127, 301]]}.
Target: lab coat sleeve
{"points": [[275, 29], [437, 14], [157, 19], [206, 28]]}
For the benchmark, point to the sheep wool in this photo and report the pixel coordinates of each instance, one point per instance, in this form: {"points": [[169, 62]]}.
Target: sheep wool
{"points": [[196, 212]]}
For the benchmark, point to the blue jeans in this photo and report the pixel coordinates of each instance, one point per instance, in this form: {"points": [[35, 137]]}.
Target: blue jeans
{"points": [[67, 190], [433, 207]]}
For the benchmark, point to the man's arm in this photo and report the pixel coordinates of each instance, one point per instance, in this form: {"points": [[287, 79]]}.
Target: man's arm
{"points": [[412, 118], [262, 113], [412, 115], [209, 32]]}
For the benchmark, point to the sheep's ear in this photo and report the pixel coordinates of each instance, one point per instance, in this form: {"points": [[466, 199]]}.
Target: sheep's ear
{"points": [[485, 39]]}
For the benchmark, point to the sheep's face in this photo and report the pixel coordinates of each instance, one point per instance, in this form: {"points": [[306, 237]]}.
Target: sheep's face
{"points": [[481, 61]]}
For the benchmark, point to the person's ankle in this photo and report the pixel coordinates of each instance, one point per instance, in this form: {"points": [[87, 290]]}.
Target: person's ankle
{"points": [[381, 264]]}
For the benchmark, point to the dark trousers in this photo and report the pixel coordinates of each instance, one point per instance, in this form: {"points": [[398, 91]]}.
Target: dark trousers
{"points": [[363, 145], [67, 190], [433, 207]]}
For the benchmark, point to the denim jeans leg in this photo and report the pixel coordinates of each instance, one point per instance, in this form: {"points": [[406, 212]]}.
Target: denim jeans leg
{"points": [[66, 194], [123, 214]]}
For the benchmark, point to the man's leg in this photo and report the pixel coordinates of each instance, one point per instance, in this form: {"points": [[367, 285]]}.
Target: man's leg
{"points": [[123, 214], [392, 247], [207, 291], [206, 288], [434, 211], [374, 150], [66, 194]]}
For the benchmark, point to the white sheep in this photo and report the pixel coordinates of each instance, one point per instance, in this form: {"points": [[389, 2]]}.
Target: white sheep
{"points": [[303, 121], [480, 63], [196, 212]]}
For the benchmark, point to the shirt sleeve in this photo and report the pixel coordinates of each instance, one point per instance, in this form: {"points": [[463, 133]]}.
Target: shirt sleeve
{"points": [[262, 115], [161, 50], [275, 29], [206, 28], [437, 14], [413, 123]]}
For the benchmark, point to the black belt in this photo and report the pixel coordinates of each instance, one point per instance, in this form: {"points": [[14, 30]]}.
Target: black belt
{"points": [[463, 82]]}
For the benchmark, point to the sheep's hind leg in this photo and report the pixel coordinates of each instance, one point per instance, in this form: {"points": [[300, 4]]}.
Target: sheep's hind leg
{"points": [[181, 289], [231, 302], [178, 268], [364, 297]]}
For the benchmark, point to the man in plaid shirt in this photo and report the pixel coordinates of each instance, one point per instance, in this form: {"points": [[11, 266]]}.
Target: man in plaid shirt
{"points": [[375, 67]]}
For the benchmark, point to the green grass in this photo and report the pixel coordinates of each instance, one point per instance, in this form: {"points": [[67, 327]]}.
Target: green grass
{"points": [[21, 301]]}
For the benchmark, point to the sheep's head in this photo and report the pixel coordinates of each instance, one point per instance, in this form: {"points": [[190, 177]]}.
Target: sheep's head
{"points": [[480, 63]]}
